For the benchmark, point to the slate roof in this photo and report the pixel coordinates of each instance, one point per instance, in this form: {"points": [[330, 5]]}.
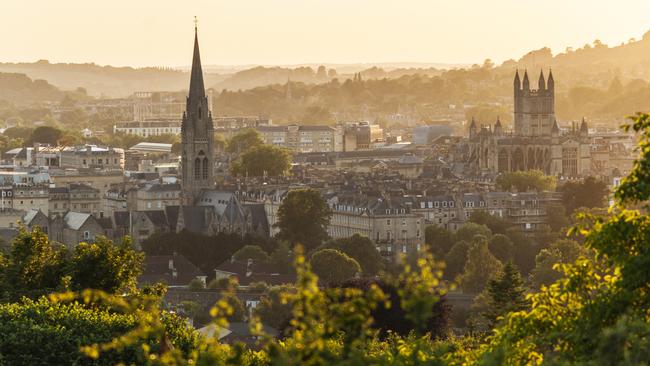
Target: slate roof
{"points": [[105, 222], [156, 269], [194, 217], [158, 218], [29, 216], [74, 220], [158, 187]]}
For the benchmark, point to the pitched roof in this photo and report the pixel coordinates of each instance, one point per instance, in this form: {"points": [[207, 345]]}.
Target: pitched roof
{"points": [[156, 269], [75, 220]]}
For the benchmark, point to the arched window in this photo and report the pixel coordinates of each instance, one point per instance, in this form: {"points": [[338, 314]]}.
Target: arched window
{"points": [[197, 168], [205, 168], [199, 112]]}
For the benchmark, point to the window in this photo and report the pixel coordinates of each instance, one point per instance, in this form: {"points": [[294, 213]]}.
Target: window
{"points": [[205, 168], [403, 248], [197, 168], [388, 222], [86, 235], [388, 235]]}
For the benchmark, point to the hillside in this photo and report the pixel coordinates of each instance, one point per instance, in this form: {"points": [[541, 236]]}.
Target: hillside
{"points": [[106, 81], [20, 89]]}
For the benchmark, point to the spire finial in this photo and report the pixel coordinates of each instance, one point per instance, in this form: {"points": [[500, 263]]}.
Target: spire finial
{"points": [[196, 24]]}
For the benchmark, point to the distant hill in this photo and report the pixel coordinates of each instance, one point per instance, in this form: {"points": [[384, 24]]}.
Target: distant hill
{"points": [[20, 89], [106, 81], [594, 64]]}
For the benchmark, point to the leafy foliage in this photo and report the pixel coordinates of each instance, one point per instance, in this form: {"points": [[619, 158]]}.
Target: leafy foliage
{"points": [[303, 217], [35, 266], [263, 160], [506, 294], [526, 180], [588, 193], [481, 267], [362, 250], [333, 266]]}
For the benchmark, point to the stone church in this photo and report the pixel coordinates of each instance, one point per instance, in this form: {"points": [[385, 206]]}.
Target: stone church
{"points": [[204, 209], [197, 136], [536, 142]]}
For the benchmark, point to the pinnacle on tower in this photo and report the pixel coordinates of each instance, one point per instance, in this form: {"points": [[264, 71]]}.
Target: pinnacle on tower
{"points": [[583, 126], [541, 85], [526, 83], [517, 82], [555, 129], [550, 83]]}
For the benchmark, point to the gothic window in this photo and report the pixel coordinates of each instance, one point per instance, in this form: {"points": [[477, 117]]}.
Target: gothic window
{"points": [[199, 112], [205, 168], [197, 168]]}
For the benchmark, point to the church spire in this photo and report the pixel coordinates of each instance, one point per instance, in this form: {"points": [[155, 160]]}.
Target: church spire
{"points": [[541, 84], [197, 89]]}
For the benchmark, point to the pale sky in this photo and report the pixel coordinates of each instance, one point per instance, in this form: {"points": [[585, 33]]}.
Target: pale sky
{"points": [[231, 32]]}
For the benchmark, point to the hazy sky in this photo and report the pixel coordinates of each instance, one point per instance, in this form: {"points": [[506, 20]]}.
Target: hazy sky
{"points": [[159, 32]]}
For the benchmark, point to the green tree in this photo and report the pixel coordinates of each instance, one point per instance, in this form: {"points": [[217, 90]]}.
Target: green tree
{"points": [[263, 160], [438, 239], [456, 258], [254, 252], [524, 250], [18, 132], [526, 180], [559, 252], [501, 247], [238, 309], [469, 230], [303, 218], [105, 266], [333, 266], [589, 193], [34, 266], [53, 332], [196, 285], [243, 141], [505, 294], [496, 224], [481, 267], [272, 309], [557, 218], [45, 134], [361, 249], [282, 257]]}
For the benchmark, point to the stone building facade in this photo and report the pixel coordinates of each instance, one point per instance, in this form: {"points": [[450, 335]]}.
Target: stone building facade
{"points": [[536, 143]]}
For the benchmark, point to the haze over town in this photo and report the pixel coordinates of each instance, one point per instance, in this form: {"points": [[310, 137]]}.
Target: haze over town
{"points": [[289, 32]]}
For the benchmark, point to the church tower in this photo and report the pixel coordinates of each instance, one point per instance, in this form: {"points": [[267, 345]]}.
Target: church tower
{"points": [[197, 135], [534, 109]]}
